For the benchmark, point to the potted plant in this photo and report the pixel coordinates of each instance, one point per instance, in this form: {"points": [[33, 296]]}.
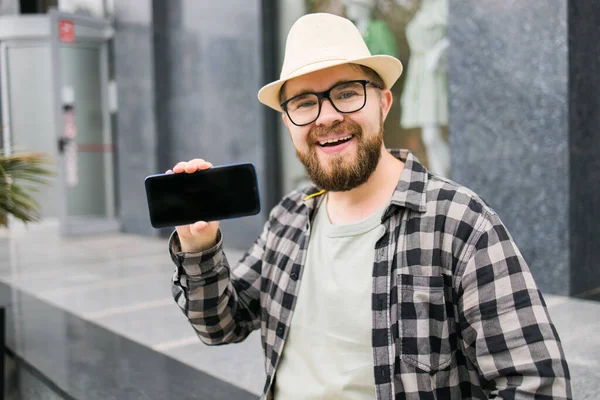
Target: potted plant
{"points": [[22, 175]]}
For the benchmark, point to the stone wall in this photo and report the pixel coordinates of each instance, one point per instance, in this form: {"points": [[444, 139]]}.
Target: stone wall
{"points": [[523, 118]]}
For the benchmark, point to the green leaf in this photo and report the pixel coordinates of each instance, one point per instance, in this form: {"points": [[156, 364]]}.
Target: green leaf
{"points": [[22, 175]]}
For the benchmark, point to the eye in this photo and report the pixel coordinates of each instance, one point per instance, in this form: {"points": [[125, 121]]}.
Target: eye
{"points": [[306, 104], [347, 94]]}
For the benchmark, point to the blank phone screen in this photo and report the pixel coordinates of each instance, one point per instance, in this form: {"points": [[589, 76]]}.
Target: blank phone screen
{"points": [[210, 195]]}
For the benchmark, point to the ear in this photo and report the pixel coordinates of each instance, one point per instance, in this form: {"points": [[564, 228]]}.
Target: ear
{"points": [[285, 120], [387, 99]]}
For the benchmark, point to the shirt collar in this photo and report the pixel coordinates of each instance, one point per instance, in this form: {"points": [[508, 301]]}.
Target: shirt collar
{"points": [[410, 191]]}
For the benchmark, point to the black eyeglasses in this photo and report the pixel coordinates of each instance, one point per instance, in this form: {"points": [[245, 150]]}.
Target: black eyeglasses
{"points": [[345, 97]]}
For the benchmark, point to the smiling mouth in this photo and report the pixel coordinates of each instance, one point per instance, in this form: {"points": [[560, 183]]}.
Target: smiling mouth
{"points": [[335, 142]]}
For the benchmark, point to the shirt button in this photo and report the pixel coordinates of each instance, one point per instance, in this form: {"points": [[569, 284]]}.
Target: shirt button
{"points": [[294, 276], [280, 331]]}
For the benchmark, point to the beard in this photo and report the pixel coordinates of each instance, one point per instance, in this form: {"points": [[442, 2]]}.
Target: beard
{"points": [[338, 174]]}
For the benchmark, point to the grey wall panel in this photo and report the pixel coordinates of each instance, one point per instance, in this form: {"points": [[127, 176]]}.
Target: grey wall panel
{"points": [[208, 72], [524, 121], [508, 78], [136, 127]]}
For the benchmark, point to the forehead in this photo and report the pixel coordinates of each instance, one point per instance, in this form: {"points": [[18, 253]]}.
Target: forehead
{"points": [[322, 80]]}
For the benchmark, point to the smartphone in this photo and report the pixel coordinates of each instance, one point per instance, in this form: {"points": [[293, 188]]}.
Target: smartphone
{"points": [[223, 192]]}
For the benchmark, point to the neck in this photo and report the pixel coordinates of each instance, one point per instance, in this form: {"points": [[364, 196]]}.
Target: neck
{"points": [[362, 201]]}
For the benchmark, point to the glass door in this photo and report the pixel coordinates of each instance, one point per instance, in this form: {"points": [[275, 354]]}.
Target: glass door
{"points": [[84, 136]]}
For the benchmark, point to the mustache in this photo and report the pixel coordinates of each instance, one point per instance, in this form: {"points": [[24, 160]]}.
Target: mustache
{"points": [[345, 126]]}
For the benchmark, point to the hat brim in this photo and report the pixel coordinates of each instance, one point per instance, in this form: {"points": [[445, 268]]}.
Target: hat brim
{"points": [[389, 69]]}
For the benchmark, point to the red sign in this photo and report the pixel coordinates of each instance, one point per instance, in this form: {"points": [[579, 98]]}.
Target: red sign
{"points": [[66, 31]]}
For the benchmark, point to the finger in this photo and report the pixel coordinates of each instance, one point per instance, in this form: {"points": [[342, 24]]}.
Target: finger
{"points": [[169, 172], [201, 164], [204, 165], [190, 168], [199, 226], [179, 168]]}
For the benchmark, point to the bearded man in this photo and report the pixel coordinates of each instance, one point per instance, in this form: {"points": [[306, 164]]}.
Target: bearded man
{"points": [[382, 280]]}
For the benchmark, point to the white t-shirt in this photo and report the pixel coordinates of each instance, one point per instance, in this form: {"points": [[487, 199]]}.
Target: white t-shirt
{"points": [[328, 352]]}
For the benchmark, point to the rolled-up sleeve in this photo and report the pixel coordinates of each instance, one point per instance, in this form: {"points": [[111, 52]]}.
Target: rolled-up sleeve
{"points": [[222, 306], [505, 327]]}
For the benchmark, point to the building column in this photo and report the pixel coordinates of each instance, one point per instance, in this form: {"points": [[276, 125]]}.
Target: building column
{"points": [[137, 140], [524, 121]]}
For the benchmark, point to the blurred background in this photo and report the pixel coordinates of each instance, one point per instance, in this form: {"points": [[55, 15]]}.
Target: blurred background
{"points": [[499, 96]]}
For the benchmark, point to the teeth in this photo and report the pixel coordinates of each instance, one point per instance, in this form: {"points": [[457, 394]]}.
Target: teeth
{"points": [[335, 140]]}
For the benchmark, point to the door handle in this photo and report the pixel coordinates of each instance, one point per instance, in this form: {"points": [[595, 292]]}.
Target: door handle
{"points": [[62, 143]]}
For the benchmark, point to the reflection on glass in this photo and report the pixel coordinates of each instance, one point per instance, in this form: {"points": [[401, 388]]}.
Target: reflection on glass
{"points": [[425, 95], [376, 33]]}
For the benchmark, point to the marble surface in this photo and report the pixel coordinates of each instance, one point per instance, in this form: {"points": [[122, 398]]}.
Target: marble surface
{"points": [[23, 383], [122, 283], [509, 123], [88, 361]]}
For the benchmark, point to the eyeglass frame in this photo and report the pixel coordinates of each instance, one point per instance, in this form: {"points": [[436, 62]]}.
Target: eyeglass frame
{"points": [[326, 95]]}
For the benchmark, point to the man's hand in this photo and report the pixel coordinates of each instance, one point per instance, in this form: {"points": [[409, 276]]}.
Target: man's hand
{"points": [[200, 235]]}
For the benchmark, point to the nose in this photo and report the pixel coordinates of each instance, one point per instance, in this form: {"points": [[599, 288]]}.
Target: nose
{"points": [[328, 114]]}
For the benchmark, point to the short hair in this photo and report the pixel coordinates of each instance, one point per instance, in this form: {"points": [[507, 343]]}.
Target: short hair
{"points": [[369, 72]]}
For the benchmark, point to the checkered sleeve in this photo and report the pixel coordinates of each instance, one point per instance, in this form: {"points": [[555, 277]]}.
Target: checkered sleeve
{"points": [[223, 306], [504, 324]]}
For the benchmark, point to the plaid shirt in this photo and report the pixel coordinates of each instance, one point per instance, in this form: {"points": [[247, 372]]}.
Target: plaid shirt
{"points": [[456, 312]]}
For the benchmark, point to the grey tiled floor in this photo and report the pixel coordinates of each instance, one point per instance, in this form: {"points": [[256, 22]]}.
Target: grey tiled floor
{"points": [[122, 282]]}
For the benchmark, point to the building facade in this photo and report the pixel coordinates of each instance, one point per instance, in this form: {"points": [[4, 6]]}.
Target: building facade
{"points": [[498, 96]]}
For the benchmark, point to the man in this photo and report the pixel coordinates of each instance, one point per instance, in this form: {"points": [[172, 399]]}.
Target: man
{"points": [[382, 280]]}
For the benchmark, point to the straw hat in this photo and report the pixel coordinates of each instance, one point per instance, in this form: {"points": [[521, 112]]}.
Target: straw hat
{"points": [[319, 41]]}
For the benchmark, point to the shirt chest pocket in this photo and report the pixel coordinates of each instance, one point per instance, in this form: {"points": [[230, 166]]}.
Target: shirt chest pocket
{"points": [[425, 321]]}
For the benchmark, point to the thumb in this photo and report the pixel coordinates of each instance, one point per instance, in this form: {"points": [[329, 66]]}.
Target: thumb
{"points": [[199, 227]]}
